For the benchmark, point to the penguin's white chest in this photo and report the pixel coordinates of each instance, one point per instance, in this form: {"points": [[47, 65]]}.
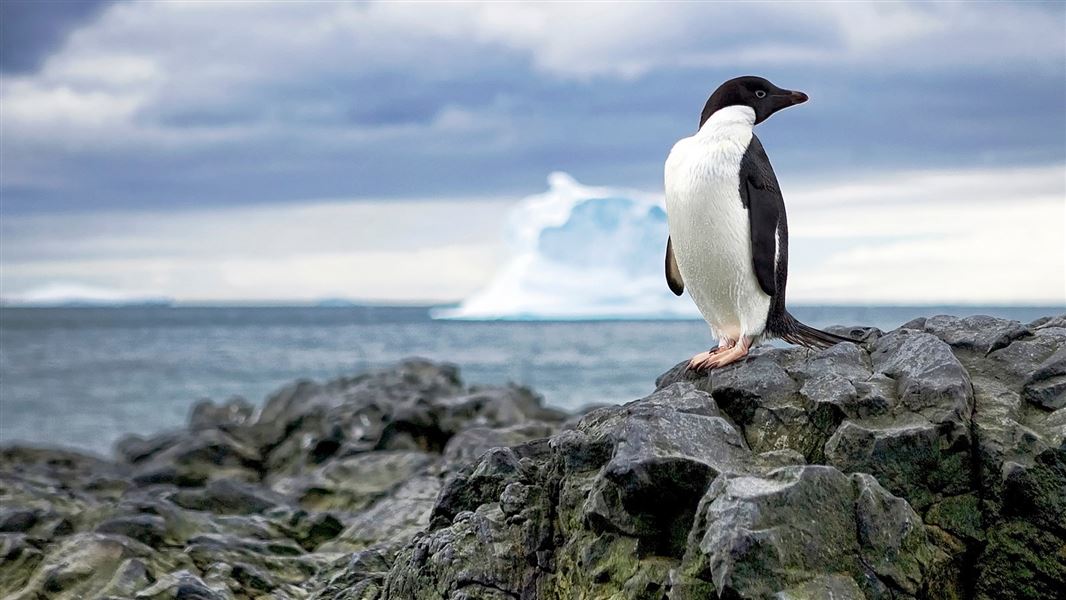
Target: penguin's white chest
{"points": [[709, 226]]}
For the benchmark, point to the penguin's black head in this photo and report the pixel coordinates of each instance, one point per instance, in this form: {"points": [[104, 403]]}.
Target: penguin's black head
{"points": [[762, 96]]}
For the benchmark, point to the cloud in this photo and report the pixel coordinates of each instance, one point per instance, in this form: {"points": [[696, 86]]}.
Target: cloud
{"points": [[972, 237], [30, 30], [977, 236], [165, 104], [368, 250], [590, 39]]}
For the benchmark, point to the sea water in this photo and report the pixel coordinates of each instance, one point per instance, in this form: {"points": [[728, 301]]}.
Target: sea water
{"points": [[82, 377]]}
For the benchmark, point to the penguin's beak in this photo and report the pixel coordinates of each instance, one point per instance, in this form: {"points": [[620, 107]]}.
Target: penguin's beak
{"points": [[784, 99], [778, 99]]}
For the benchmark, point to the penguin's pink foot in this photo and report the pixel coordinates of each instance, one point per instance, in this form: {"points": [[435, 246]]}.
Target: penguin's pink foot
{"points": [[723, 356], [703, 357]]}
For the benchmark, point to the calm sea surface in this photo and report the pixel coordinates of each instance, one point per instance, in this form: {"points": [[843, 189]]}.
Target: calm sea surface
{"points": [[82, 377]]}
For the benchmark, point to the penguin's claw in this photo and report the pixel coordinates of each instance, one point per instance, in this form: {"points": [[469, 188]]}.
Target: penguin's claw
{"points": [[719, 357], [702, 357]]}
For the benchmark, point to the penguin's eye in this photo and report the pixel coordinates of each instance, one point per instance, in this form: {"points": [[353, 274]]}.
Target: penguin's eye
{"points": [[760, 94]]}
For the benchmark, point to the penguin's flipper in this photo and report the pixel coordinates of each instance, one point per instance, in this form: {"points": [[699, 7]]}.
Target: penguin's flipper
{"points": [[673, 274], [764, 217], [761, 196]]}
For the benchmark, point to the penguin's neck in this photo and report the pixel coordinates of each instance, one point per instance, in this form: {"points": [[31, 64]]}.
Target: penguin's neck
{"points": [[728, 119]]}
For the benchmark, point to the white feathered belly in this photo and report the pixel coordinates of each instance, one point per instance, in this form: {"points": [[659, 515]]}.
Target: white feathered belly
{"points": [[710, 234]]}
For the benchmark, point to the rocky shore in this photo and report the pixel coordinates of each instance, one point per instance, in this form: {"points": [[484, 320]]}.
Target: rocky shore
{"points": [[927, 462]]}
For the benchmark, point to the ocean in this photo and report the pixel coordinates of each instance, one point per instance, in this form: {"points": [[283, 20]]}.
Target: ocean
{"points": [[83, 377]]}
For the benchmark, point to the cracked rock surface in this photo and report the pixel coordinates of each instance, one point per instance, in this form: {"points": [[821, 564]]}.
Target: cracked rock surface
{"points": [[925, 462]]}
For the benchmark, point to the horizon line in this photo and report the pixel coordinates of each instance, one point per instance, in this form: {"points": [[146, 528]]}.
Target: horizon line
{"points": [[416, 304]]}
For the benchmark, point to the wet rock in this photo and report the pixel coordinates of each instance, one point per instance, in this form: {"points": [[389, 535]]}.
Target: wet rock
{"points": [[233, 413], [309, 529], [181, 585], [19, 558], [229, 497], [354, 482], [925, 462], [469, 444], [358, 576], [391, 520], [477, 484], [664, 457], [306, 423], [1046, 386], [920, 446], [837, 587], [89, 565], [750, 543], [1021, 561], [18, 520], [428, 425], [147, 529], [196, 458], [979, 333], [483, 554]]}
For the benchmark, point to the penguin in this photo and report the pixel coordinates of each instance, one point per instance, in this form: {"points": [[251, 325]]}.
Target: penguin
{"points": [[728, 235]]}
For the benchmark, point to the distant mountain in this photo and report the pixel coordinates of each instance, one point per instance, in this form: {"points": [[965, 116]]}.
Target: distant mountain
{"points": [[336, 303], [76, 295]]}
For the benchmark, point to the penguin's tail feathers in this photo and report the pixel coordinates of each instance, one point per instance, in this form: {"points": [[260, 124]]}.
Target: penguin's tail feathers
{"points": [[795, 332]]}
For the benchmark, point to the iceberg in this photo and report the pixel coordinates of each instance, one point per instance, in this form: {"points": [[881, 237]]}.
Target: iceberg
{"points": [[580, 252]]}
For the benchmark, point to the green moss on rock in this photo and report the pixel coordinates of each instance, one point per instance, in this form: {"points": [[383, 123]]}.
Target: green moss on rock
{"points": [[1022, 562]]}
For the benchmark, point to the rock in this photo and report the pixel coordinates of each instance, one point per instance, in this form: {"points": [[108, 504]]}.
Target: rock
{"points": [[750, 543], [134, 448], [1046, 386], [481, 555], [309, 529], [195, 458], [392, 519], [44, 468], [181, 585], [429, 425], [277, 562], [19, 559], [18, 520], [920, 447], [925, 462], [981, 334], [765, 400], [1021, 561], [233, 413], [929, 421], [91, 565], [359, 576], [241, 504], [668, 448], [485, 479], [837, 587], [147, 529], [354, 482], [307, 423], [229, 497], [469, 444]]}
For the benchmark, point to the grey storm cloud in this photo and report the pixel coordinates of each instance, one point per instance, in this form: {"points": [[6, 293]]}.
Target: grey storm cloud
{"points": [[30, 30], [171, 104]]}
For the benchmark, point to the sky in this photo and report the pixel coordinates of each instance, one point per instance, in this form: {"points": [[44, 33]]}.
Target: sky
{"points": [[214, 151]]}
